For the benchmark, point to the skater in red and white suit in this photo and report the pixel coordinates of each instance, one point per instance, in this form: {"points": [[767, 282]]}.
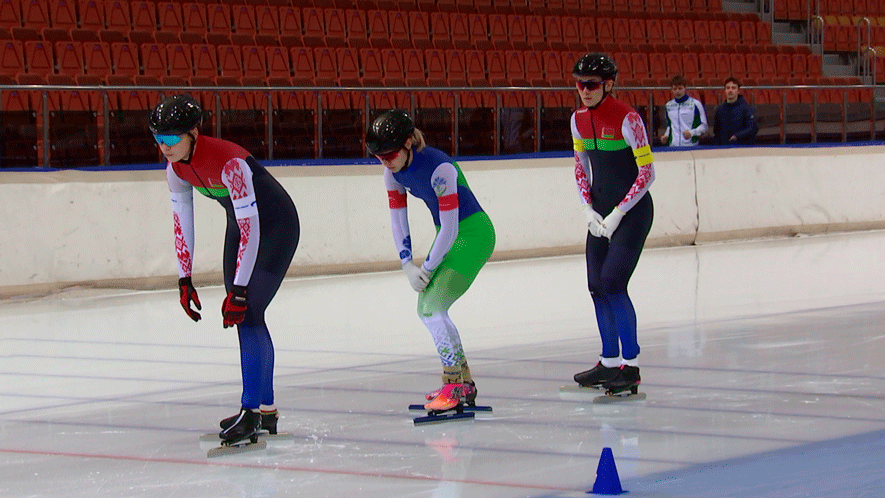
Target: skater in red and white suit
{"points": [[613, 171]]}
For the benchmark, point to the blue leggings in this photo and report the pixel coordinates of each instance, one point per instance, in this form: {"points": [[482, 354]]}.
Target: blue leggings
{"points": [[280, 232]]}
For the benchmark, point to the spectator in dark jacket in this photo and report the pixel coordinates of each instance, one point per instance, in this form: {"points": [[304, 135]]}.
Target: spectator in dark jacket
{"points": [[735, 118]]}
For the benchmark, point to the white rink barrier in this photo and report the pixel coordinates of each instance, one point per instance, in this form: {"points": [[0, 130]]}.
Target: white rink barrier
{"points": [[114, 228]]}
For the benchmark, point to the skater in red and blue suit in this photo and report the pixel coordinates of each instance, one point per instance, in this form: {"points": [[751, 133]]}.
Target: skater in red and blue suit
{"points": [[613, 169], [261, 236]]}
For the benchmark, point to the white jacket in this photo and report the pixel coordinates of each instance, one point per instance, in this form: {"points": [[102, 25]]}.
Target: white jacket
{"points": [[688, 115]]}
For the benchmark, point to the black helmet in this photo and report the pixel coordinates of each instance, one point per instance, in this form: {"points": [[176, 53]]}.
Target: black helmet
{"points": [[389, 132], [175, 115], [596, 64]]}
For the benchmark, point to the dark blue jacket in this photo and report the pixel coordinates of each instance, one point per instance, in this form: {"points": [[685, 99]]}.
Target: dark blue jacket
{"points": [[735, 119]]}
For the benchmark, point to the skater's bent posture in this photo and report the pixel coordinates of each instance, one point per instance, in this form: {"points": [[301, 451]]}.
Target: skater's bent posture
{"points": [[613, 170], [261, 237], [464, 241]]}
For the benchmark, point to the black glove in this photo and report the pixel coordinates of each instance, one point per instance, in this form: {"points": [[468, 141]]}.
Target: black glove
{"points": [[233, 310], [188, 294]]}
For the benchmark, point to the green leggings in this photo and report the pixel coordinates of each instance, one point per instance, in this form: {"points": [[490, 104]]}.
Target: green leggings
{"points": [[450, 280]]}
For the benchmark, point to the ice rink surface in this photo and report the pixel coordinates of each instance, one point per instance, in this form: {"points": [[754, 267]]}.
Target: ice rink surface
{"points": [[763, 363]]}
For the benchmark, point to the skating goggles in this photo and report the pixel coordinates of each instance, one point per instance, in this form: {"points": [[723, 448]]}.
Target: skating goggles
{"points": [[390, 156], [169, 140], [589, 85]]}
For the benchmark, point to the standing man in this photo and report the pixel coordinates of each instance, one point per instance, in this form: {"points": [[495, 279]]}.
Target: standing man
{"points": [[686, 119], [613, 169], [735, 118]]}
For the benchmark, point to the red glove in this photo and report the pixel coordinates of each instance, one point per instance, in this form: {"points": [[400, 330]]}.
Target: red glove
{"points": [[233, 310], [188, 294]]}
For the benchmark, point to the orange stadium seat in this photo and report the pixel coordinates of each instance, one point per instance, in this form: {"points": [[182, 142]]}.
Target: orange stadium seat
{"points": [[657, 65], [243, 19], [553, 30], [621, 30], [289, 22], [554, 73], [69, 58], [534, 30], [517, 32], [533, 61], [335, 21], [355, 24], [440, 30], [378, 28], [96, 62], [625, 67], [641, 66], [180, 63], [144, 16], [754, 65], [690, 65], [738, 63], [64, 14], [394, 70], [413, 67], [314, 34], [435, 62], [348, 66], [279, 69], [456, 63], [194, 18], [205, 59], [475, 61], [326, 66], [303, 66], [229, 64], [673, 65], [419, 22], [400, 37], [498, 34], [154, 61], [254, 65], [12, 61], [267, 26], [497, 70], [723, 65], [573, 32], [478, 33], [39, 58]]}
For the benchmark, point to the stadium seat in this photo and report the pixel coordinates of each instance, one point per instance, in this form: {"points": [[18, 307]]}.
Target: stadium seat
{"points": [[533, 62], [673, 61], [194, 18], [435, 63], [348, 66], [12, 60], [69, 58], [242, 18], [754, 65], [10, 13], [498, 32], [640, 63], [658, 68], [394, 71], [784, 64], [117, 16], [303, 66], [180, 62], [440, 30], [534, 30], [690, 65], [717, 32], [289, 22], [378, 28], [517, 32], [63, 14], [413, 66], [654, 29], [476, 68], [357, 34], [419, 22], [456, 64], [205, 61], [343, 127], [621, 30], [605, 30], [97, 60], [326, 66], [554, 73], [279, 69], [314, 34], [335, 21], [738, 64], [702, 31], [169, 17], [723, 65], [144, 16], [478, 33], [267, 26], [572, 33], [400, 37], [553, 30], [35, 14]]}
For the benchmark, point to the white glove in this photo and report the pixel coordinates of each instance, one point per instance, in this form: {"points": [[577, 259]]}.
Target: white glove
{"points": [[418, 276], [594, 220], [611, 222]]}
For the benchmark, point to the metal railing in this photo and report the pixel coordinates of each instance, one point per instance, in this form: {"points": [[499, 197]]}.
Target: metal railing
{"points": [[535, 119]]}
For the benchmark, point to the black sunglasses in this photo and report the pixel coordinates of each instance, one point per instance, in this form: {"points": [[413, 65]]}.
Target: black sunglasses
{"points": [[589, 85]]}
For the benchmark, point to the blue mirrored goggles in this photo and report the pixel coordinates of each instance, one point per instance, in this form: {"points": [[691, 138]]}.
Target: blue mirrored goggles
{"points": [[169, 140]]}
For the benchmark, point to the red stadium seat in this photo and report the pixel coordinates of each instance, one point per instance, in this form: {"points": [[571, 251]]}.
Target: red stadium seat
{"points": [[348, 66], [64, 14], [335, 21], [12, 61], [420, 29], [553, 30], [456, 63], [35, 13], [440, 30], [478, 33], [279, 69], [290, 25], [517, 32], [535, 37], [180, 60], [476, 68], [303, 66], [326, 66], [314, 27], [400, 37], [357, 34], [435, 61], [394, 70], [533, 61], [378, 28], [10, 13], [413, 65]]}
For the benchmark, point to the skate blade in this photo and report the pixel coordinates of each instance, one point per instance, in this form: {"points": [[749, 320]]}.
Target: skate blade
{"points": [[578, 393], [466, 408], [279, 439], [619, 397], [444, 417], [243, 447]]}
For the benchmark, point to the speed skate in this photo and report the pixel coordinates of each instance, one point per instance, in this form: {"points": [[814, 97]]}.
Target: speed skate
{"points": [[225, 448], [579, 393], [460, 412]]}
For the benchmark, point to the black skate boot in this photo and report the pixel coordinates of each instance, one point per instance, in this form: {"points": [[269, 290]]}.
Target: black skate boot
{"points": [[268, 421], [627, 378], [244, 426], [596, 376]]}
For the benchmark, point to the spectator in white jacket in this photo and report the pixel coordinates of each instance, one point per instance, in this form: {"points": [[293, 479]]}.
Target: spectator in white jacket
{"points": [[686, 119]]}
